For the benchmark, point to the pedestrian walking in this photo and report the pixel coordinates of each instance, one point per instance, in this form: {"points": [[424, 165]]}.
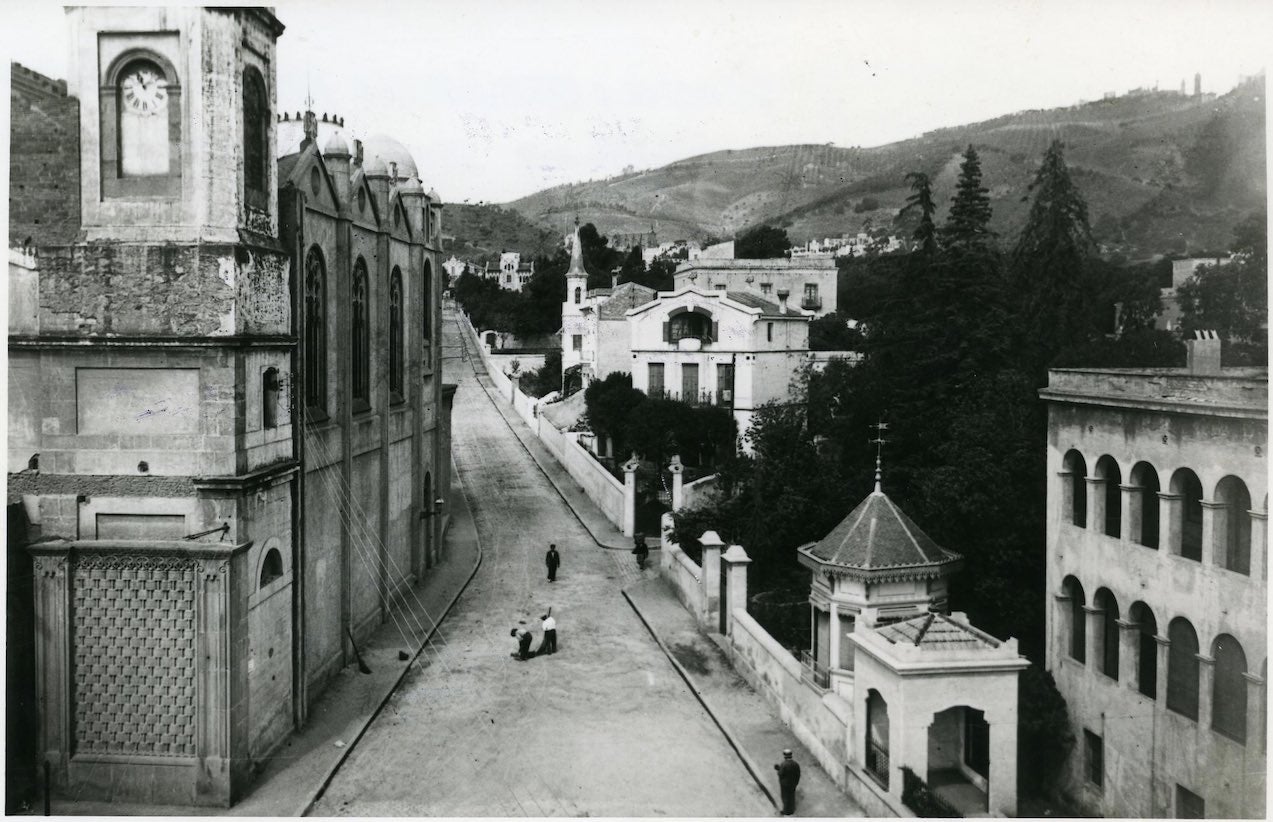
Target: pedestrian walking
{"points": [[639, 549], [552, 559], [524, 639], [549, 643], [788, 778]]}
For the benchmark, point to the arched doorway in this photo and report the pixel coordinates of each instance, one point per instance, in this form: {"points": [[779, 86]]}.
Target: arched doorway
{"points": [[959, 759], [877, 746]]}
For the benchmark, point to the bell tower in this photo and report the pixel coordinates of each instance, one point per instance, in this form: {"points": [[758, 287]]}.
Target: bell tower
{"points": [[176, 122]]}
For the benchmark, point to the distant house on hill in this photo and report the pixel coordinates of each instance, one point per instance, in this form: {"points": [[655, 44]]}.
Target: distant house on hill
{"points": [[809, 280]]}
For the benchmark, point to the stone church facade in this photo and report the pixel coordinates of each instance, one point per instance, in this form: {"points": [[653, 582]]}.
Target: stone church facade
{"points": [[227, 427]]}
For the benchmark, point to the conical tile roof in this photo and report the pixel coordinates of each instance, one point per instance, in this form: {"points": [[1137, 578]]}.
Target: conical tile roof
{"points": [[878, 540]]}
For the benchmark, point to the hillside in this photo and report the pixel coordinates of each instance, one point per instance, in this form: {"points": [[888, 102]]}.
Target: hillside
{"points": [[1161, 172], [480, 232]]}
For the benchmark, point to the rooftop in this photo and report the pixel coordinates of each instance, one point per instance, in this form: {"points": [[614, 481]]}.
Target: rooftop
{"points": [[937, 632], [1242, 392], [777, 264], [769, 309], [877, 540]]}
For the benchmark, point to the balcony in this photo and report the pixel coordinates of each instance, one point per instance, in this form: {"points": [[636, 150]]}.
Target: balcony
{"points": [[723, 398], [811, 303], [814, 673]]}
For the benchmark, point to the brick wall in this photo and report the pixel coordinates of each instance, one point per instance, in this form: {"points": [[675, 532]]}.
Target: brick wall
{"points": [[44, 159]]}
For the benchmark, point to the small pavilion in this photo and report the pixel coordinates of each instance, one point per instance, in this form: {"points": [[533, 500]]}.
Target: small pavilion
{"points": [[930, 693]]}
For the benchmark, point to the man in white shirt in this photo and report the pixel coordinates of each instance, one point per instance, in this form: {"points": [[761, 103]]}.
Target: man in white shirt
{"points": [[549, 644]]}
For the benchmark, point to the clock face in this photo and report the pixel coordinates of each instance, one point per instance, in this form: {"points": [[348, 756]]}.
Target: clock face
{"points": [[145, 91]]}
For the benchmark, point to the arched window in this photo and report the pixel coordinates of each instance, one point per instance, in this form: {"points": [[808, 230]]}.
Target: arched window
{"points": [[140, 121], [1145, 478], [142, 91], [315, 330], [269, 398], [1078, 619], [877, 747], [256, 129], [1146, 649], [578, 293], [1074, 471], [1229, 691], [396, 382], [360, 333], [1182, 668], [426, 316], [1108, 606], [688, 324], [271, 567], [1185, 483], [1235, 553], [1107, 469]]}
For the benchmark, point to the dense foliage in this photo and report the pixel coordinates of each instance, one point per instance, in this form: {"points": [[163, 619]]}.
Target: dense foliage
{"points": [[1232, 297], [763, 242], [545, 379], [834, 332]]}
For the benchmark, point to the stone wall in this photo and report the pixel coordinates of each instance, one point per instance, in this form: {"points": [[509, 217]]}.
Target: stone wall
{"points": [[44, 160]]}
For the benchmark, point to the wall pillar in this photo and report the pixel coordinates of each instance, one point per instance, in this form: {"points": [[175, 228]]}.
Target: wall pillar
{"points": [[1003, 769], [1255, 728], [1093, 655], [1215, 533], [1067, 496], [1062, 626], [1164, 646], [908, 748], [736, 562], [1259, 544], [1170, 513], [678, 482], [1206, 684], [712, 545], [666, 525], [1128, 645], [1096, 504], [629, 496], [833, 647], [53, 667], [1133, 512]]}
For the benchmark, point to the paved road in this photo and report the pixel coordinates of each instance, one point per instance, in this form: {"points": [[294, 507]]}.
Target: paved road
{"points": [[603, 728]]}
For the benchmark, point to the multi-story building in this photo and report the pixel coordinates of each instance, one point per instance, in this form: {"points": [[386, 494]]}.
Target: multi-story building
{"points": [[1157, 584], [227, 429], [512, 273], [809, 282]]}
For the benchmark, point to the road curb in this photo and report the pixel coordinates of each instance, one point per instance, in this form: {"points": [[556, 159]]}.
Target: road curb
{"points": [[748, 762], [480, 375], [349, 747]]}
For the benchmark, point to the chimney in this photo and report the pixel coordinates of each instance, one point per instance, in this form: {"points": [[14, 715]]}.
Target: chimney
{"points": [[614, 280], [783, 294], [1202, 353]]}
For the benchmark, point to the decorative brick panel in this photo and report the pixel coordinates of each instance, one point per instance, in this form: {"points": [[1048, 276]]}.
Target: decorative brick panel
{"points": [[134, 628]]}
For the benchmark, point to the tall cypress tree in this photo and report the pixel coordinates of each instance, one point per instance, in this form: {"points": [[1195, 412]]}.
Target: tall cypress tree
{"points": [[969, 220], [921, 200], [1051, 264]]}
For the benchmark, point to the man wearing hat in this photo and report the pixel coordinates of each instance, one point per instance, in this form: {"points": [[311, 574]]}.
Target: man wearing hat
{"points": [[788, 778]]}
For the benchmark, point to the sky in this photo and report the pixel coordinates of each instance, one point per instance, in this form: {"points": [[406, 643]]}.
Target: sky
{"points": [[498, 99]]}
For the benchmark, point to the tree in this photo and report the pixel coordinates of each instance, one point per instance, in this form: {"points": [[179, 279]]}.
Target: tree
{"points": [[539, 310], [831, 332], [545, 379], [968, 223], [762, 243], [633, 269], [1051, 265], [920, 204], [599, 259], [1232, 297], [609, 402]]}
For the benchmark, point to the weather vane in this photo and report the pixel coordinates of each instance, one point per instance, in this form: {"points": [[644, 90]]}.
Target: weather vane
{"points": [[879, 442]]}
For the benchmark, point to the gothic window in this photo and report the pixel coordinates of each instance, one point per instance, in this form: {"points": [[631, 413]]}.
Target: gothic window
{"points": [[578, 294], [1182, 668], [271, 567], [256, 114], [315, 331], [426, 316], [395, 334], [1229, 693], [360, 331]]}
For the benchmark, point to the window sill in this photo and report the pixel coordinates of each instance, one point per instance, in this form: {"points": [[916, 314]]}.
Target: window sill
{"points": [[396, 398], [315, 416], [361, 406]]}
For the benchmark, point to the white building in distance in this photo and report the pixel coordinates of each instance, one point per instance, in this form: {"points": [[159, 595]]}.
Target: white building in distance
{"points": [[808, 283]]}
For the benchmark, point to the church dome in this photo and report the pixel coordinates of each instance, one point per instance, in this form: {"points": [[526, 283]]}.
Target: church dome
{"points": [[388, 150], [336, 145], [411, 186]]}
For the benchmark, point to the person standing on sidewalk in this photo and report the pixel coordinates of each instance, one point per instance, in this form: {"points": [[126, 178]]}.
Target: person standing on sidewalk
{"points": [[549, 643], [788, 777], [552, 559]]}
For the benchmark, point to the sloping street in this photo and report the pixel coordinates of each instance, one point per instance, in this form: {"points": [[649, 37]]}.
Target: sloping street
{"points": [[603, 728]]}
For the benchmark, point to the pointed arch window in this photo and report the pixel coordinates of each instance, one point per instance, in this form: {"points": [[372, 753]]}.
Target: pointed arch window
{"points": [[426, 310], [315, 347], [256, 120], [396, 359], [360, 330]]}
